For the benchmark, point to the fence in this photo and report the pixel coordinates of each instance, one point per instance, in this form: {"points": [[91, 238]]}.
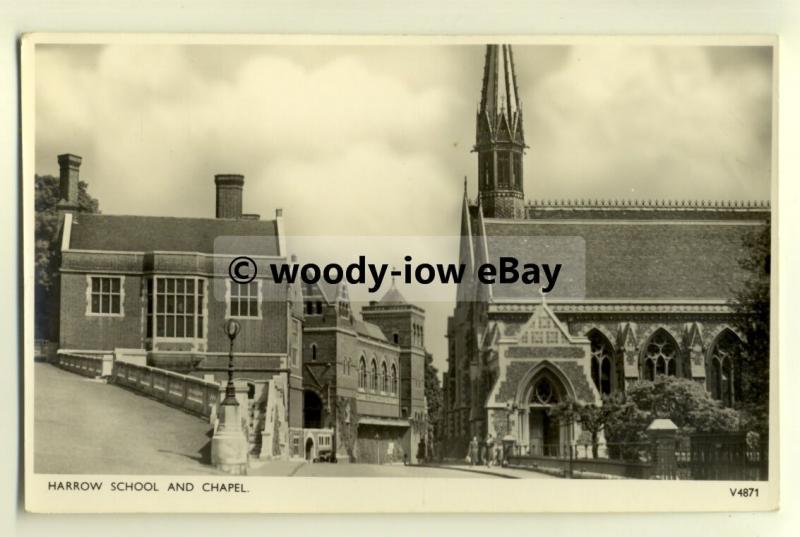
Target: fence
{"points": [[578, 460], [192, 394], [703, 456]]}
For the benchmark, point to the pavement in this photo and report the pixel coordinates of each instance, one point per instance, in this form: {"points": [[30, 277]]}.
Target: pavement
{"points": [[306, 469], [84, 426]]}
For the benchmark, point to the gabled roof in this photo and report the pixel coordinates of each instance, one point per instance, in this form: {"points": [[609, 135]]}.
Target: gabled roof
{"points": [[159, 233]]}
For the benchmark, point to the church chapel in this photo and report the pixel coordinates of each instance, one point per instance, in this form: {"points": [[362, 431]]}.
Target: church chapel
{"points": [[652, 297]]}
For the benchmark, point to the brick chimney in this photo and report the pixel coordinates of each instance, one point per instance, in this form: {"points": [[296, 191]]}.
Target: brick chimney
{"points": [[69, 166], [229, 195]]}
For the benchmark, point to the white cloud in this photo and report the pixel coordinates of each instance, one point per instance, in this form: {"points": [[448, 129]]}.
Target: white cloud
{"points": [[645, 122]]}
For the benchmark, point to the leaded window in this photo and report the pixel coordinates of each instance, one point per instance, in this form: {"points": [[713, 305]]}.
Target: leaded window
{"points": [[362, 374], [660, 356], [178, 307], [721, 374], [244, 300], [544, 393], [373, 376], [105, 295], [602, 363]]}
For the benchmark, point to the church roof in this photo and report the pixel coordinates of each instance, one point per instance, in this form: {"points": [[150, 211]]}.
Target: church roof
{"points": [[170, 234], [628, 259]]}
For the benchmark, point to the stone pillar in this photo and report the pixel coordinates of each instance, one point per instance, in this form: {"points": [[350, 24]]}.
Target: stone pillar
{"points": [[663, 433], [229, 446]]}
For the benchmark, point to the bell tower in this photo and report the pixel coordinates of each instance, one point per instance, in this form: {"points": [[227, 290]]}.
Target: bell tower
{"points": [[500, 141]]}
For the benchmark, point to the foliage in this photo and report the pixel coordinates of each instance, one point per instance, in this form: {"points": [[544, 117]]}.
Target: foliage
{"points": [[433, 397], [592, 418], [347, 425], [752, 308], [684, 401], [47, 231]]}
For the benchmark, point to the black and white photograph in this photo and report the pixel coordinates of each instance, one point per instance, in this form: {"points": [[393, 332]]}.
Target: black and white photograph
{"points": [[534, 263]]}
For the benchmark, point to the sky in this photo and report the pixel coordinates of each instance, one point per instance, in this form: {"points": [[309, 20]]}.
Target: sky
{"points": [[376, 141]]}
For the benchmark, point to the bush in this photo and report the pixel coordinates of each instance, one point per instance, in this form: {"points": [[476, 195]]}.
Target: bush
{"points": [[684, 401]]}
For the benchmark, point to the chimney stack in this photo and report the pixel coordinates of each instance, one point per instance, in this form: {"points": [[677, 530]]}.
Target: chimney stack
{"points": [[229, 195], [69, 166]]}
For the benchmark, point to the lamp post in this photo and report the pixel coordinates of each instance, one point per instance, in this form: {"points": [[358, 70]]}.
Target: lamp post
{"points": [[229, 445], [231, 330]]}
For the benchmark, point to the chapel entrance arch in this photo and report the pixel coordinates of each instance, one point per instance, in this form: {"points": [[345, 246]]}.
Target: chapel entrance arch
{"points": [[542, 433]]}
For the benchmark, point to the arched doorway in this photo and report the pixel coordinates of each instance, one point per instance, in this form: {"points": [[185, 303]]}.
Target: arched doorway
{"points": [[312, 410], [542, 433]]}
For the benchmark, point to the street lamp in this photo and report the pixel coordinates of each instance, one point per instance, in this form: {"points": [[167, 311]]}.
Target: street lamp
{"points": [[231, 330], [229, 445]]}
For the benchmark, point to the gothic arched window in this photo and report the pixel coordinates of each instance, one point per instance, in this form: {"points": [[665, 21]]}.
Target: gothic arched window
{"points": [[544, 393], [721, 367], [660, 356], [384, 377], [373, 375], [603, 369], [394, 380], [362, 374]]}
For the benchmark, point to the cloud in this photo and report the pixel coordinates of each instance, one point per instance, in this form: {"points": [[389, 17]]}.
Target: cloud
{"points": [[649, 122]]}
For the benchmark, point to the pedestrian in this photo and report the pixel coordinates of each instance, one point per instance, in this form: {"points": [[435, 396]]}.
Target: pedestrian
{"points": [[489, 450], [473, 451]]}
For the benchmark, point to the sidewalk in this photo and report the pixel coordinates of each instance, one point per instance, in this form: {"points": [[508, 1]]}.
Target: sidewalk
{"points": [[497, 471]]}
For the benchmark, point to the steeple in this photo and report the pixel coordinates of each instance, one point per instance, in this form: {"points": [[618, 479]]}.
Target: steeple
{"points": [[500, 140]]}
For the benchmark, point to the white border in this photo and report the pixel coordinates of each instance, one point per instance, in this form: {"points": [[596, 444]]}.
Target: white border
{"points": [[397, 495]]}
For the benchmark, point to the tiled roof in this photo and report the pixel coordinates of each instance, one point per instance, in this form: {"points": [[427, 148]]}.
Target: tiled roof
{"points": [[368, 329], [157, 233], [669, 259], [392, 297]]}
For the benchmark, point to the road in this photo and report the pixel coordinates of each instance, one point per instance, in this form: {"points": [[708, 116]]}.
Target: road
{"points": [[84, 426]]}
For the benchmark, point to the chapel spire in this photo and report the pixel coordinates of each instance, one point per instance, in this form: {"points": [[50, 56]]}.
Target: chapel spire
{"points": [[500, 140]]}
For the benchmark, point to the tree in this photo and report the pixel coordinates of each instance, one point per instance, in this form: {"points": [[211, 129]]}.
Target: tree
{"points": [[47, 233], [684, 401], [433, 397], [592, 418], [752, 308]]}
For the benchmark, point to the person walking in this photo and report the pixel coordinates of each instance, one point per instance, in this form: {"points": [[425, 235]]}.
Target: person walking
{"points": [[473, 451], [489, 450]]}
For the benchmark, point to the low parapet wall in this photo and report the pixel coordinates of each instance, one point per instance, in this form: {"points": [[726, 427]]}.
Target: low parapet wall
{"points": [[192, 394], [86, 365]]}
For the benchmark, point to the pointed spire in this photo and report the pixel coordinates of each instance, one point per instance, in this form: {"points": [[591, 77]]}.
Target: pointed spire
{"points": [[500, 105], [499, 140]]}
